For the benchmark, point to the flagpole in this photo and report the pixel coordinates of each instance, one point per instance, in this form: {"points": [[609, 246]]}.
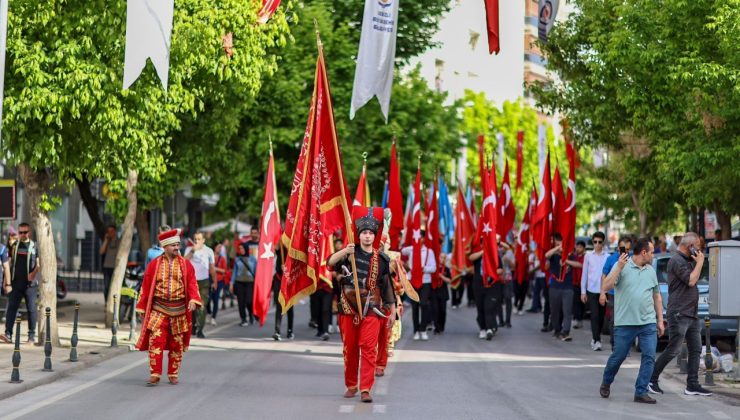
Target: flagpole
{"points": [[343, 198]]}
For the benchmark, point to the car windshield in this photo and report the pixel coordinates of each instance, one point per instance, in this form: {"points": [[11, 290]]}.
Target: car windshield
{"points": [[661, 269]]}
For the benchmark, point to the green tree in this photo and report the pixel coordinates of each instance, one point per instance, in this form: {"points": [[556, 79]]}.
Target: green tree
{"points": [[66, 116], [663, 72], [282, 106]]}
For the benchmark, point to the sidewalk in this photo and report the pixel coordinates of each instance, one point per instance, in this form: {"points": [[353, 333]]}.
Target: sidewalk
{"points": [[722, 385], [93, 345]]}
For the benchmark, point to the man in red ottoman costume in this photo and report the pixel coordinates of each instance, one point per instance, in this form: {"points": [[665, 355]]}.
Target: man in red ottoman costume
{"points": [[168, 298]]}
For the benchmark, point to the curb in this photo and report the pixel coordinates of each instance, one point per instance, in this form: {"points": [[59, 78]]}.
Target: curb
{"points": [[103, 355], [732, 398]]}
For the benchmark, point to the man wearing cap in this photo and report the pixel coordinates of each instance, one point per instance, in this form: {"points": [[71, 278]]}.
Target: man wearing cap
{"points": [[168, 298], [360, 330]]}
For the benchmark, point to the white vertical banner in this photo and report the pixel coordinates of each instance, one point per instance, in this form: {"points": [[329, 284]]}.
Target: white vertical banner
{"points": [[148, 35], [500, 152], [376, 56], [542, 146], [548, 10], [3, 47]]}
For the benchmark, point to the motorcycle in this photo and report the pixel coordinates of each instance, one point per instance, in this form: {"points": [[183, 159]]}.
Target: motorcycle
{"points": [[130, 290]]}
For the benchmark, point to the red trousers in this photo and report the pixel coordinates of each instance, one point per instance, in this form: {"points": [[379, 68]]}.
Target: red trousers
{"points": [[360, 341], [160, 340], [383, 338]]}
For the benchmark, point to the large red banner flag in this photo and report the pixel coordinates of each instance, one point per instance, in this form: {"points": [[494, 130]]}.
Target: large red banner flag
{"points": [[519, 158], [487, 227], [269, 241], [542, 217], [318, 198], [523, 240], [508, 210], [417, 271], [395, 200], [492, 17], [464, 231], [568, 218]]}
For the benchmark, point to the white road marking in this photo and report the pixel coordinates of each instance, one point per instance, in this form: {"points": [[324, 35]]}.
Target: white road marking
{"points": [[719, 415], [75, 390], [346, 409], [379, 408]]}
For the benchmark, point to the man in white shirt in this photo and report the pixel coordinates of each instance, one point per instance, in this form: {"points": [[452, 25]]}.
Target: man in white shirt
{"points": [[203, 260], [593, 265], [429, 265]]}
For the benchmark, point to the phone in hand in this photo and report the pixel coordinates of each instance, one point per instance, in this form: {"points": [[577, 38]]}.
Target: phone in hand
{"points": [[622, 250], [693, 252]]}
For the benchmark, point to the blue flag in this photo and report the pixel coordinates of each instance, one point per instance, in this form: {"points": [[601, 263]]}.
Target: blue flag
{"points": [[384, 203], [446, 217]]}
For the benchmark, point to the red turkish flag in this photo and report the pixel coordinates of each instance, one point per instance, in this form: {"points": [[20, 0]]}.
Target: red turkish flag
{"points": [[487, 228], [362, 193], [542, 218], [318, 198], [494, 42], [269, 241], [519, 158], [432, 239], [508, 210], [417, 271], [523, 240], [464, 231], [568, 216], [268, 9], [558, 202], [395, 200]]}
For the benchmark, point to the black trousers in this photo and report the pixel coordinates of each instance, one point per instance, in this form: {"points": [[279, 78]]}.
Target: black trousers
{"points": [[244, 295], [107, 278], [279, 308], [680, 328], [440, 296], [469, 281], [546, 311], [597, 315], [314, 307], [520, 294], [504, 309], [323, 303], [578, 307], [421, 311], [19, 293], [457, 294]]}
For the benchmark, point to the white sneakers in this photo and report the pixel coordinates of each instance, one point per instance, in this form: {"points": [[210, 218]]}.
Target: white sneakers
{"points": [[417, 336], [482, 334], [213, 321], [595, 345], [424, 336]]}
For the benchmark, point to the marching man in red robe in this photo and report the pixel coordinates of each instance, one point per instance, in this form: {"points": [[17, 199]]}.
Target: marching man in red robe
{"points": [[168, 298], [360, 331]]}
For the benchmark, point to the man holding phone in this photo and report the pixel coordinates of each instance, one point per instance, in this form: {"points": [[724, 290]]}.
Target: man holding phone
{"points": [[684, 269], [638, 313]]}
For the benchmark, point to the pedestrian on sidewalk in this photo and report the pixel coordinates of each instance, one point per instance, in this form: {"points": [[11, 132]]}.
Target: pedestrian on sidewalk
{"points": [[242, 285], [24, 266], [360, 331], [421, 311], [203, 260], [215, 294], [169, 295], [593, 267], [684, 270], [108, 250], [638, 314]]}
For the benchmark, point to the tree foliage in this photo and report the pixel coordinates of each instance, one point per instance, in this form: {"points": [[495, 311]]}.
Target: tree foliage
{"points": [[666, 73]]}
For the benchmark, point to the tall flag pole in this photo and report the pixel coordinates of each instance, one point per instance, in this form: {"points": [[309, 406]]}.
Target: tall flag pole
{"points": [[269, 240], [319, 200], [376, 56], [395, 200]]}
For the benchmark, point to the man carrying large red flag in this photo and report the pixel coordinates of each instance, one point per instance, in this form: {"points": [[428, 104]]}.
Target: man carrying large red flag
{"points": [[508, 211], [395, 200], [318, 199], [269, 241], [360, 330]]}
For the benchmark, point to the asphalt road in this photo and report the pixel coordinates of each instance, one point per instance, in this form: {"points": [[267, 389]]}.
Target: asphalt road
{"points": [[242, 373]]}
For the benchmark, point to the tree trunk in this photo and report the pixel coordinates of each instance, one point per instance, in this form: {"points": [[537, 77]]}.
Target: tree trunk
{"points": [[124, 246], [642, 215], [91, 205], [142, 228], [725, 223], [37, 184]]}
